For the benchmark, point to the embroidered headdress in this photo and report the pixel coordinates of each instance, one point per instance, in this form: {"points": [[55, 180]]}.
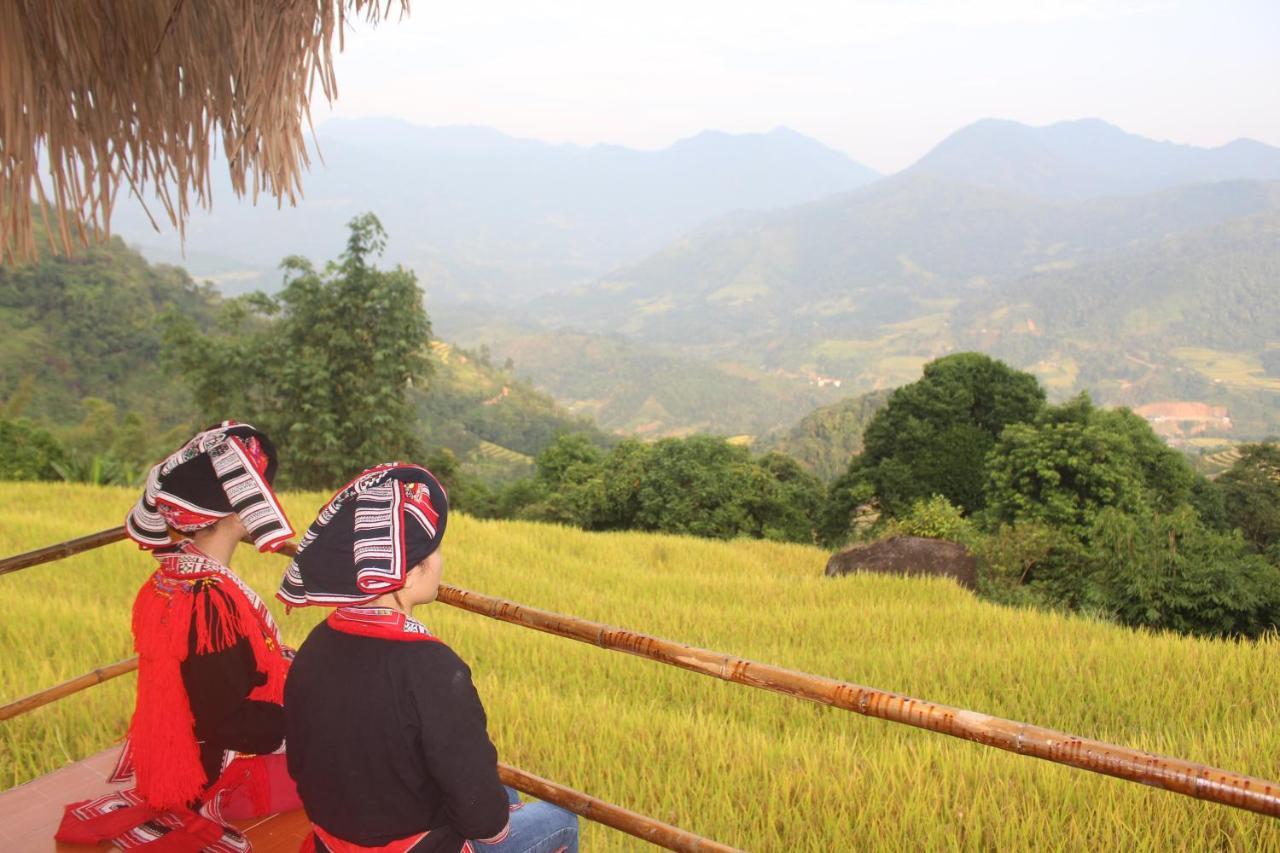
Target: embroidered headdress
{"points": [[226, 469], [367, 537]]}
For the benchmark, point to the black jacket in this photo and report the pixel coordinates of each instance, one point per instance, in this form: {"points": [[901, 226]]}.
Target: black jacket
{"points": [[218, 686], [388, 739]]}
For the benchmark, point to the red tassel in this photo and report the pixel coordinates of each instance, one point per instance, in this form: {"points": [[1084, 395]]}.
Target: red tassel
{"points": [[218, 622], [166, 757]]}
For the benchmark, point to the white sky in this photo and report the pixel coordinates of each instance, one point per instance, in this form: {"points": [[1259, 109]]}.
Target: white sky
{"points": [[883, 81]]}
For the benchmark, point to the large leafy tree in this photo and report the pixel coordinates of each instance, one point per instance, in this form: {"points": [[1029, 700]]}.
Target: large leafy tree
{"points": [[1075, 460], [323, 366], [28, 452], [933, 435]]}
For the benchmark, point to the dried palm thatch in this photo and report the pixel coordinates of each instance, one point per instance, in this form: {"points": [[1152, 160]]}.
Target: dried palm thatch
{"points": [[102, 95]]}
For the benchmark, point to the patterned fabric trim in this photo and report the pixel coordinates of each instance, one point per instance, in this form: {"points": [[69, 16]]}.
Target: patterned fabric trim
{"points": [[380, 622], [187, 562], [91, 819]]}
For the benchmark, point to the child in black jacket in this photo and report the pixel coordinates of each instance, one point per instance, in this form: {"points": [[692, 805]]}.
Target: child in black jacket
{"points": [[387, 737]]}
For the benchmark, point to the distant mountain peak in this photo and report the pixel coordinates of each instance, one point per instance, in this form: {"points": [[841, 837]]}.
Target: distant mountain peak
{"points": [[1086, 158]]}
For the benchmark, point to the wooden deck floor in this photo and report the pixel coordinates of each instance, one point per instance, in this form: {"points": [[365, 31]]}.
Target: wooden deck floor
{"points": [[30, 813]]}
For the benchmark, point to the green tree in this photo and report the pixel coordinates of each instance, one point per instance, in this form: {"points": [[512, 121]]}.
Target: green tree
{"points": [[789, 500], [568, 458], [323, 366], [1076, 460], [700, 486], [932, 438], [1061, 470], [933, 435], [850, 491], [1167, 477], [1168, 571], [1250, 491], [28, 452], [937, 518]]}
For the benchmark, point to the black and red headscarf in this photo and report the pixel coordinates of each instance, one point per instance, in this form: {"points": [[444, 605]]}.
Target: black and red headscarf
{"points": [[226, 469], [365, 540]]}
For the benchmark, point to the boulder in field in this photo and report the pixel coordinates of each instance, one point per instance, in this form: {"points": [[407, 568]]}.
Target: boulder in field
{"points": [[908, 555]]}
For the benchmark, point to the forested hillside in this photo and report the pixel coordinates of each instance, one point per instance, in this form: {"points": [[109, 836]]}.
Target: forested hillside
{"points": [[868, 286], [645, 390], [876, 257], [94, 326], [827, 438], [86, 353]]}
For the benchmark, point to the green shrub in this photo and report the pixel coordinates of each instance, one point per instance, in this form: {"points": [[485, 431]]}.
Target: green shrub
{"points": [[28, 452], [938, 518], [1010, 559], [1169, 571]]}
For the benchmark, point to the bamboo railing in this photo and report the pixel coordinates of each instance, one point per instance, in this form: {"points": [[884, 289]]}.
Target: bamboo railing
{"points": [[61, 550], [592, 808], [1172, 774], [66, 688]]}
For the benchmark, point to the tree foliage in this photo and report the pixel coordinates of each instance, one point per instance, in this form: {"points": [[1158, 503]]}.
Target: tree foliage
{"points": [[933, 435], [1250, 491], [28, 452], [700, 486], [1076, 460], [324, 366], [1169, 571], [932, 438], [938, 518]]}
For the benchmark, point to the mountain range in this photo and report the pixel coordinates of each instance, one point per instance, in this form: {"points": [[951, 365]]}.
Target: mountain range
{"points": [[1088, 158], [482, 215], [730, 282]]}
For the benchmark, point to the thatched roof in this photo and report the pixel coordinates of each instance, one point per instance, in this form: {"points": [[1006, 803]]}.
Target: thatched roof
{"points": [[112, 95]]}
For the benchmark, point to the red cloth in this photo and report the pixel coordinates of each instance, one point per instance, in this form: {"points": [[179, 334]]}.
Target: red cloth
{"points": [[251, 786], [337, 845], [162, 750]]}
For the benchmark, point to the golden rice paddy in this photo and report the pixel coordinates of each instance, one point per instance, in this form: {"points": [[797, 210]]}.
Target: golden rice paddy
{"points": [[746, 767]]}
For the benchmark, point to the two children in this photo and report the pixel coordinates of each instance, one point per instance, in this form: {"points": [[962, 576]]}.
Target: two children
{"points": [[386, 736]]}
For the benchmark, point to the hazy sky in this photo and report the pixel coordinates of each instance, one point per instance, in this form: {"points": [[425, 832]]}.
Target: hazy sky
{"points": [[883, 81]]}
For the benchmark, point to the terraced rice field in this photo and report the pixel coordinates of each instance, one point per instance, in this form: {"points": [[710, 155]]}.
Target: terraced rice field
{"points": [[489, 450]]}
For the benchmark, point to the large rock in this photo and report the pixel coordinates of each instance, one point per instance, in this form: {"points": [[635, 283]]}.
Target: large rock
{"points": [[908, 555]]}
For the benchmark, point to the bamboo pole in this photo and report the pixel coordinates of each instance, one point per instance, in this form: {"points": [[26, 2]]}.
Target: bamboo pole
{"points": [[593, 809], [63, 549], [66, 688], [1172, 774]]}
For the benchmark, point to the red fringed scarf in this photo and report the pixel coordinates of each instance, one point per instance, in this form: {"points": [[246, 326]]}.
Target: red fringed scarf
{"points": [[161, 748]]}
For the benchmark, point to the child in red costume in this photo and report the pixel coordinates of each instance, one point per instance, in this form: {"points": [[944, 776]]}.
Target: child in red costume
{"points": [[204, 746]]}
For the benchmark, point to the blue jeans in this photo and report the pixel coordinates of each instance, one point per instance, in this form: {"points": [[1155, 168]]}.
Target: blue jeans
{"points": [[536, 827]]}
